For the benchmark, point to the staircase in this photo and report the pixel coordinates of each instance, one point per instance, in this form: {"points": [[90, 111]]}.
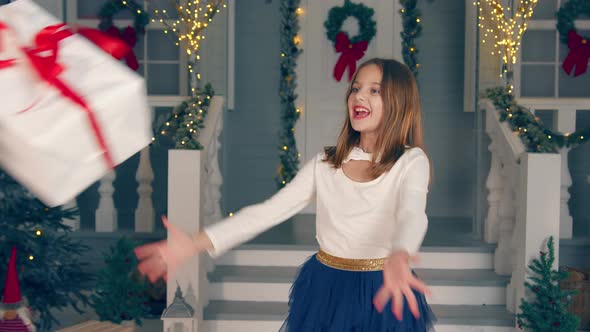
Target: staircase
{"points": [[249, 286]]}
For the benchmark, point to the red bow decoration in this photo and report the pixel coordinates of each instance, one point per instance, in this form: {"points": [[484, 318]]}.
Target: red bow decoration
{"points": [[111, 45], [129, 37], [579, 54], [351, 53], [43, 58]]}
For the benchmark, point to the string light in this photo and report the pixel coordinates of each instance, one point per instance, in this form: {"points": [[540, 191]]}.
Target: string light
{"points": [[38, 232], [31, 257], [231, 214], [193, 18], [507, 31]]}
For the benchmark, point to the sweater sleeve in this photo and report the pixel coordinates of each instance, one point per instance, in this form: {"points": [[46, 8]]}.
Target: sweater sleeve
{"points": [[255, 219], [411, 219]]}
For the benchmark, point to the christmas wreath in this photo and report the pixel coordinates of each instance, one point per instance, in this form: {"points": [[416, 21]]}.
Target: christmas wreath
{"points": [[352, 49], [128, 34], [579, 45]]}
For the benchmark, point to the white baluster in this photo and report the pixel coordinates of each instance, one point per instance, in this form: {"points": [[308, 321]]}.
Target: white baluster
{"points": [[106, 215], [144, 214], [73, 223], [502, 259], [214, 177], [494, 186], [565, 219], [565, 122]]}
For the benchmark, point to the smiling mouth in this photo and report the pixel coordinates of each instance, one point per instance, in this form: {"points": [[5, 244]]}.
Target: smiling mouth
{"points": [[360, 113]]}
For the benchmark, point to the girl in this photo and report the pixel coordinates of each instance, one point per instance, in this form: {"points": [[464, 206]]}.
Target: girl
{"points": [[370, 192]]}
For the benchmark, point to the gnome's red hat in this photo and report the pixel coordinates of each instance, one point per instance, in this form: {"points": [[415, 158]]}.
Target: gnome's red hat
{"points": [[12, 295]]}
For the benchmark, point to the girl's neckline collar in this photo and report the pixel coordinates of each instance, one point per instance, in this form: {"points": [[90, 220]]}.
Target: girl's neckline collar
{"points": [[357, 153]]}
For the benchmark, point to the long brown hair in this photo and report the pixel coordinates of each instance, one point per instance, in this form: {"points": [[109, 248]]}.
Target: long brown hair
{"points": [[401, 123]]}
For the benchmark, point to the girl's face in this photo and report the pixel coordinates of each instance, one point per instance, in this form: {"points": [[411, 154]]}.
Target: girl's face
{"points": [[365, 105]]}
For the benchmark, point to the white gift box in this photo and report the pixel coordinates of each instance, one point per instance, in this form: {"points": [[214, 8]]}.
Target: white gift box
{"points": [[47, 141]]}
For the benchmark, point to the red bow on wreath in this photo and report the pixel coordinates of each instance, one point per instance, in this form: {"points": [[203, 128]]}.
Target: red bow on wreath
{"points": [[579, 54], [351, 53], [129, 37]]}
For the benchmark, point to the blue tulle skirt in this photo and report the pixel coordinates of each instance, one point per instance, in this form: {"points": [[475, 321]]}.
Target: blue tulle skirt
{"points": [[325, 299]]}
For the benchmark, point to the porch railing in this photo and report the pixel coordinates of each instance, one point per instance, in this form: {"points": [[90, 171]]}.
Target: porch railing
{"points": [[523, 203], [145, 220]]}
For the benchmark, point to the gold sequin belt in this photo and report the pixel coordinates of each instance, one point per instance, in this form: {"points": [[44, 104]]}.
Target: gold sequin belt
{"points": [[350, 264]]}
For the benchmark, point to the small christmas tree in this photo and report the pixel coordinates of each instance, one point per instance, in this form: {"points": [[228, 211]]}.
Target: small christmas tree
{"points": [[547, 312], [120, 293], [50, 267]]}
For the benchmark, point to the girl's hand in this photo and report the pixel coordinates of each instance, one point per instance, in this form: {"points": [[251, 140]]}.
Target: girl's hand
{"points": [[157, 258], [398, 281]]}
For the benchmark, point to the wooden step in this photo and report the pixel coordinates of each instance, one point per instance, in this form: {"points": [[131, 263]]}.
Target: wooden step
{"points": [[257, 283], [460, 257], [225, 316]]}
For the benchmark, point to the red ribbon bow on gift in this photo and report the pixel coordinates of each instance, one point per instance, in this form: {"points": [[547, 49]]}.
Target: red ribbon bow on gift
{"points": [[43, 58], [9, 62], [579, 54], [351, 53]]}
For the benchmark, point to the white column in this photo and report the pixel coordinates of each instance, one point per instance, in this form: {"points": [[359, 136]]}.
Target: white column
{"points": [[494, 186], [144, 214], [184, 190], [106, 214], [470, 62], [503, 253], [538, 211], [565, 122]]}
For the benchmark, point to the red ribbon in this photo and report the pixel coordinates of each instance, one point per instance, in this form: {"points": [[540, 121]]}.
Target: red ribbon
{"points": [[129, 37], [579, 54], [351, 53], [9, 62], [43, 58]]}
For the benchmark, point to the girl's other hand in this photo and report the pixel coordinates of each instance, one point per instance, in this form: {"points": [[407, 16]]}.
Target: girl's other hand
{"points": [[159, 258], [398, 281]]}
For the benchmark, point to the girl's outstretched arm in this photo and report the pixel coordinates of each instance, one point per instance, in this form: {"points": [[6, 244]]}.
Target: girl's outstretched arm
{"points": [[159, 257], [255, 219]]}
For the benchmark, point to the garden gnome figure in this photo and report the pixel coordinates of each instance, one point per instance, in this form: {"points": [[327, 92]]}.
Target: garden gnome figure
{"points": [[14, 314]]}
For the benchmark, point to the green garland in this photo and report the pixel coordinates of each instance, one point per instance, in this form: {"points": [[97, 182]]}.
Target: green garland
{"points": [[289, 157], [185, 122], [106, 13], [567, 14], [364, 14], [412, 29], [530, 128]]}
